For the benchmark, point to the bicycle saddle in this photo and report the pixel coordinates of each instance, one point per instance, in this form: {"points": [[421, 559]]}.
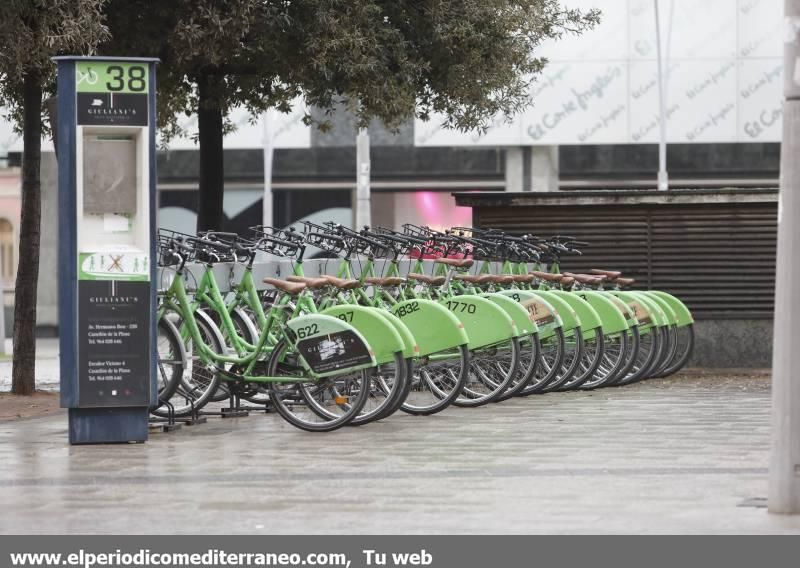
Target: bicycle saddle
{"points": [[292, 288], [546, 276], [474, 278], [388, 281], [587, 278], [432, 280], [611, 274], [455, 262], [342, 283], [313, 283]]}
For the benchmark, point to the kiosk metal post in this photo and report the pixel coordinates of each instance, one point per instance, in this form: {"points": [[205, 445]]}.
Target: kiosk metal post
{"points": [[106, 249]]}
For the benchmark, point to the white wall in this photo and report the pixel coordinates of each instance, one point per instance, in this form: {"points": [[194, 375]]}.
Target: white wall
{"points": [[725, 80]]}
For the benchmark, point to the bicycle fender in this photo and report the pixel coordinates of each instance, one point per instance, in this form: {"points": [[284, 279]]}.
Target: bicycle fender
{"points": [[613, 317], [669, 313], [252, 332], [588, 316], [683, 313], [410, 347], [540, 311], [568, 315], [525, 325], [646, 314], [659, 315], [434, 328], [381, 335], [484, 321], [328, 345]]}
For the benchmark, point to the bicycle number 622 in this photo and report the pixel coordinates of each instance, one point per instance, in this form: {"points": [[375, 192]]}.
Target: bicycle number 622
{"points": [[307, 331]]}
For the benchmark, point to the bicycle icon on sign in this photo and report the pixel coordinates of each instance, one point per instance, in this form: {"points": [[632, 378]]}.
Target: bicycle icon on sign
{"points": [[90, 77]]}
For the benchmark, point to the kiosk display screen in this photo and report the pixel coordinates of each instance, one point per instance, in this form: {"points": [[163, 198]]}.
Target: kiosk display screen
{"points": [[109, 178]]}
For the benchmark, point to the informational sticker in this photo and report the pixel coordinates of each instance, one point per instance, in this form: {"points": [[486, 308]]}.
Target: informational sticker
{"points": [[539, 313], [113, 265], [112, 93], [336, 351], [624, 308], [642, 314], [113, 343]]}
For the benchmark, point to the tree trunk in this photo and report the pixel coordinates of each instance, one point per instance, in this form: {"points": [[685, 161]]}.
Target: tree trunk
{"points": [[209, 122], [24, 368]]}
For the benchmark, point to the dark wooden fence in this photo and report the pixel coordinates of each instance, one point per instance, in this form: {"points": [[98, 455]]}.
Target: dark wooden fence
{"points": [[713, 249]]}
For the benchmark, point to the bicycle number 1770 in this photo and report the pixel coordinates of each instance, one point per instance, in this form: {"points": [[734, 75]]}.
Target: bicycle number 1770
{"points": [[465, 307]]}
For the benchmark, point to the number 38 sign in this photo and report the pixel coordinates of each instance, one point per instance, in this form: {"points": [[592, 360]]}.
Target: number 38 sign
{"points": [[112, 93]]}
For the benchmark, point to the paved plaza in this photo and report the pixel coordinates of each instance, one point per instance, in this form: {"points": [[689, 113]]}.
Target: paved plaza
{"points": [[678, 455]]}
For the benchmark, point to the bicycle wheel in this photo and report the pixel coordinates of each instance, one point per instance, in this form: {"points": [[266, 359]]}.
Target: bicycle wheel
{"points": [[491, 370], [670, 345], [684, 345], [551, 358], [201, 377], [649, 350], [615, 353], [389, 383], [436, 381], [171, 363], [530, 354], [342, 396], [572, 357], [245, 326], [223, 392], [591, 357]]}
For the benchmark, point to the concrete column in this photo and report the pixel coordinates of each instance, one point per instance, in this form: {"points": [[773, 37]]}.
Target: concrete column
{"points": [[544, 168], [362, 208], [515, 167], [784, 469]]}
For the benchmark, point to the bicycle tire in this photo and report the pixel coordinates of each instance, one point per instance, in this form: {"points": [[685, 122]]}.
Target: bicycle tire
{"points": [[384, 403], [649, 350], [171, 364], [551, 358], [572, 358], [200, 380], [591, 357], [683, 351], [491, 376], [424, 381], [612, 361], [530, 354]]}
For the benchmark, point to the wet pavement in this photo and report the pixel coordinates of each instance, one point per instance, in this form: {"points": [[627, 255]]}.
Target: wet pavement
{"points": [[679, 455], [47, 367]]}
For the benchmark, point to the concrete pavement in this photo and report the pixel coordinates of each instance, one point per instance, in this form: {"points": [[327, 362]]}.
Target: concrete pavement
{"points": [[676, 455]]}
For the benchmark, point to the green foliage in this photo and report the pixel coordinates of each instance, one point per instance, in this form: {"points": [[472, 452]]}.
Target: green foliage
{"points": [[386, 59], [33, 31]]}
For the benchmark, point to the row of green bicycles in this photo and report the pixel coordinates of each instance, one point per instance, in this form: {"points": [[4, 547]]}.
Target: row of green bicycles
{"points": [[413, 321]]}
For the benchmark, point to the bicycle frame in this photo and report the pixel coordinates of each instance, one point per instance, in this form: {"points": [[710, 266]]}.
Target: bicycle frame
{"points": [[177, 299]]}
